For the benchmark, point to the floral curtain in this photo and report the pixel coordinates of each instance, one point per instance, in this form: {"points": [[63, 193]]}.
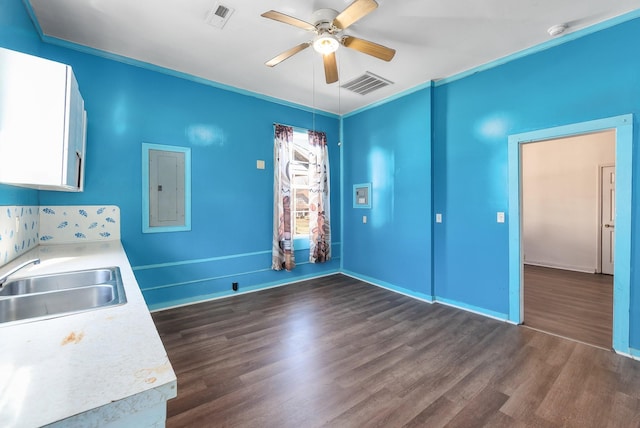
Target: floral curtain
{"points": [[282, 248], [319, 208]]}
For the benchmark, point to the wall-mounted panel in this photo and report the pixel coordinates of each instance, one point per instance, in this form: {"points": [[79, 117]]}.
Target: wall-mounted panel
{"points": [[166, 188]]}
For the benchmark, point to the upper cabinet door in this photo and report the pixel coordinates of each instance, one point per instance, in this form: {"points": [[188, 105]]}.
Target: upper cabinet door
{"points": [[75, 120], [42, 123]]}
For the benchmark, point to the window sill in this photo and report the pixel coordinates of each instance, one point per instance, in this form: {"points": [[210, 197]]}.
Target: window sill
{"points": [[301, 243]]}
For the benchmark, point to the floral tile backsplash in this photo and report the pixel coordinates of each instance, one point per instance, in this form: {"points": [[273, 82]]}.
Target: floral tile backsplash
{"points": [[70, 224], [19, 230], [24, 227]]}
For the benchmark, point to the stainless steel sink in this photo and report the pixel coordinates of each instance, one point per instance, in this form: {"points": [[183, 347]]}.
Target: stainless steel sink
{"points": [[59, 281], [49, 296]]}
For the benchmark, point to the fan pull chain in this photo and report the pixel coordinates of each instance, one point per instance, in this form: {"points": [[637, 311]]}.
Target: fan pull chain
{"points": [[339, 74], [339, 104], [313, 96]]}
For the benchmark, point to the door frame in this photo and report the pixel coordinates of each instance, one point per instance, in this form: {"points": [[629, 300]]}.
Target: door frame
{"points": [[623, 126], [601, 167]]}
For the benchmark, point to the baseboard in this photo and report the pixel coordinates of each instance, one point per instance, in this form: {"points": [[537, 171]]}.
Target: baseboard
{"points": [[634, 354], [584, 269], [388, 286], [429, 299], [224, 294], [475, 309]]}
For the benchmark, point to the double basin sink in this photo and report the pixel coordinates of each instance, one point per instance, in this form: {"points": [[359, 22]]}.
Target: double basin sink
{"points": [[48, 296]]}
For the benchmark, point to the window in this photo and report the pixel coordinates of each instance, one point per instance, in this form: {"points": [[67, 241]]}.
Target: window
{"points": [[301, 212], [299, 170]]}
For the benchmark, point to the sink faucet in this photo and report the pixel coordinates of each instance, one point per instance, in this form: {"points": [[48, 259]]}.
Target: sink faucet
{"points": [[6, 276]]}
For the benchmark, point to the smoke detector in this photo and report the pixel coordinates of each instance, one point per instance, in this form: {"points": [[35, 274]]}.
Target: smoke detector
{"points": [[556, 30], [219, 15]]}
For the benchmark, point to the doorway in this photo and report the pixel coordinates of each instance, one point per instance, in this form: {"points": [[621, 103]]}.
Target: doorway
{"points": [[623, 126], [565, 199]]}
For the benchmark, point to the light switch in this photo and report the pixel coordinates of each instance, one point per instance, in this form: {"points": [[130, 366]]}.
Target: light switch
{"points": [[260, 164], [364, 219], [438, 218], [500, 217]]}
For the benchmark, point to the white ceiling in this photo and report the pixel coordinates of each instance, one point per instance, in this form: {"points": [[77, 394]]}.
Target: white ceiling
{"points": [[434, 39]]}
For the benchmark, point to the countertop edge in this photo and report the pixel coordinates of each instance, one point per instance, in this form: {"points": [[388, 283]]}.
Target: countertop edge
{"points": [[117, 347]]}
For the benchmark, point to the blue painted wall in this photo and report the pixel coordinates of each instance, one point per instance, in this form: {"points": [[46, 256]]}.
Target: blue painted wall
{"points": [[232, 209], [436, 150], [12, 195], [596, 76], [389, 146]]}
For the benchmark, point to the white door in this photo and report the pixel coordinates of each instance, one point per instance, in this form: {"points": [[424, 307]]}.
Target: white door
{"points": [[608, 213]]}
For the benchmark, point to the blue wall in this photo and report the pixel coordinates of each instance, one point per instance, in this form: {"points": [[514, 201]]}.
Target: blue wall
{"points": [[232, 209], [593, 77], [439, 149], [12, 195], [390, 147]]}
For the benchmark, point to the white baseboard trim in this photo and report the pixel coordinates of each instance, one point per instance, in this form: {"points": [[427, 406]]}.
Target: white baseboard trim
{"points": [[584, 269]]}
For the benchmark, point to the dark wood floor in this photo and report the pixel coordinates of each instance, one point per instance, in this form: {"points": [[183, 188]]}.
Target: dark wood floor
{"points": [[571, 304], [337, 352]]}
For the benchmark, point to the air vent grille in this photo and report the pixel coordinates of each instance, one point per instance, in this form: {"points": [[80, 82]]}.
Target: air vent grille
{"points": [[222, 11], [219, 15], [366, 83]]}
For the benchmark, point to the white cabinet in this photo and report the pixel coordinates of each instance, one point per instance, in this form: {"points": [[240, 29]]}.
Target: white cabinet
{"points": [[42, 124]]}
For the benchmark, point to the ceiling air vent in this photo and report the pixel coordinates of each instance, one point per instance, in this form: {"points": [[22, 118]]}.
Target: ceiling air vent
{"points": [[366, 83], [219, 15]]}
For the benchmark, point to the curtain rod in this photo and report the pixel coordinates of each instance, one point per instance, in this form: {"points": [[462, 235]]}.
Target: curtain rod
{"points": [[299, 128], [296, 128]]}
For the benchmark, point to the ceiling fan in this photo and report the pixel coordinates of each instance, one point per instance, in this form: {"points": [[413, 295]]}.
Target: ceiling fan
{"points": [[328, 27]]}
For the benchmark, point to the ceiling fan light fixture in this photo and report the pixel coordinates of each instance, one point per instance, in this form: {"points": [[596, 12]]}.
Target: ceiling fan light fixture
{"points": [[326, 44], [328, 25]]}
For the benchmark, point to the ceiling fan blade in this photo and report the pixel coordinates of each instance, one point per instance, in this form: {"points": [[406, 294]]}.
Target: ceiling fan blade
{"points": [[277, 16], [354, 12], [286, 54], [369, 48], [330, 67]]}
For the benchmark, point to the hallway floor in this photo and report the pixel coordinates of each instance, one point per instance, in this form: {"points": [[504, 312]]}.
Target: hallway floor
{"points": [[571, 304]]}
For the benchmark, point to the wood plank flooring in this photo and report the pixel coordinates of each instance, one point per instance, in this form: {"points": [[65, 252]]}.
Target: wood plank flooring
{"points": [[576, 305], [337, 352]]}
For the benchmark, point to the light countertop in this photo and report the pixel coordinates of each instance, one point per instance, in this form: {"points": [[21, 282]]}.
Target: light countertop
{"points": [[60, 367]]}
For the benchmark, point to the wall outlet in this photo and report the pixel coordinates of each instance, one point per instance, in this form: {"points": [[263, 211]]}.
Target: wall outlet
{"points": [[234, 286], [18, 229]]}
